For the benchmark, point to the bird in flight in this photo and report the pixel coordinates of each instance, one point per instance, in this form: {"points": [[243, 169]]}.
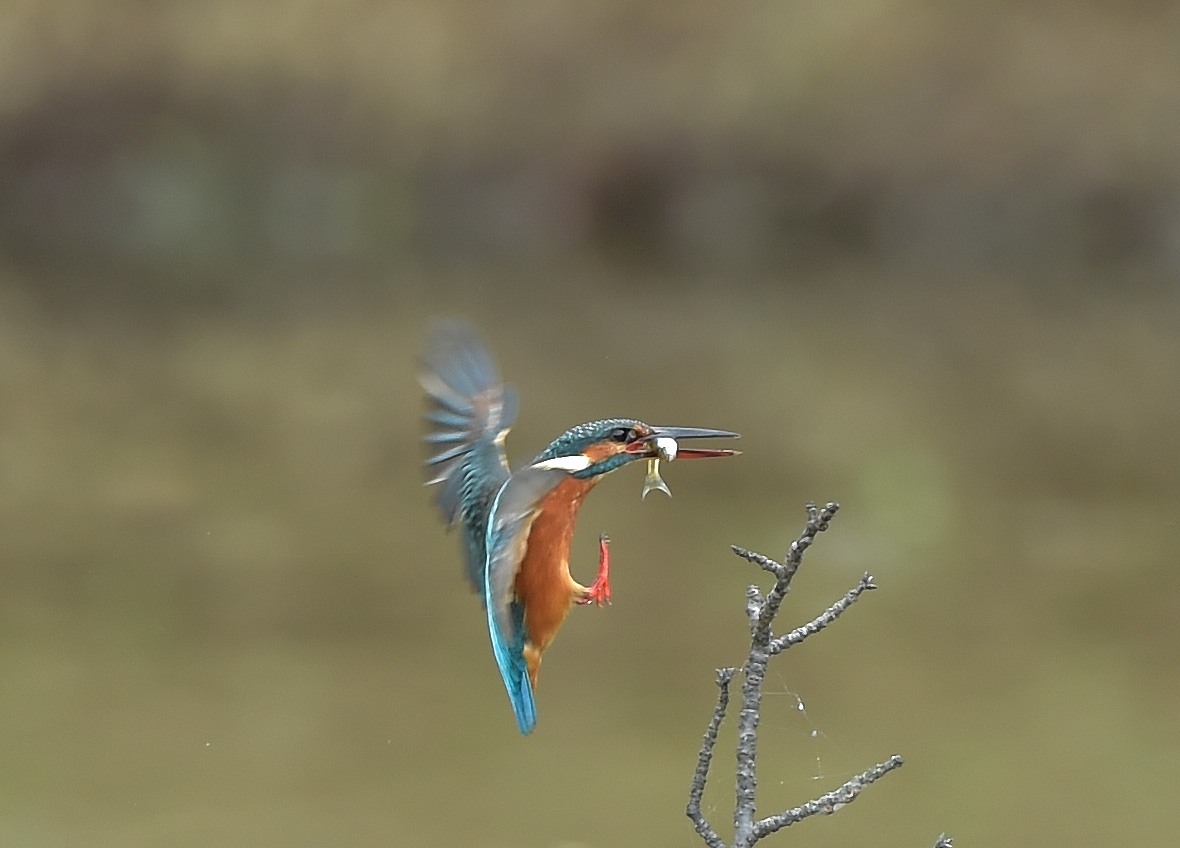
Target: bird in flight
{"points": [[517, 526]]}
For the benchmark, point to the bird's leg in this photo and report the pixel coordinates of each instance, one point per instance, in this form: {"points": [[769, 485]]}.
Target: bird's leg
{"points": [[599, 591]]}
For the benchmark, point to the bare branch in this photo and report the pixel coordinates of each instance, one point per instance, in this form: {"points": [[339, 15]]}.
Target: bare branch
{"points": [[761, 560], [829, 802], [761, 610], [724, 677], [754, 671], [817, 522], [747, 744], [754, 602], [825, 618]]}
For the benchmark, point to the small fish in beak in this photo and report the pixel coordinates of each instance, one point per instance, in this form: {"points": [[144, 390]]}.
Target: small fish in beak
{"points": [[665, 449], [663, 445], [653, 480]]}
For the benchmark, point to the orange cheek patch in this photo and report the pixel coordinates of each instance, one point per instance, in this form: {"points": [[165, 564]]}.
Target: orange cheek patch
{"points": [[602, 450]]}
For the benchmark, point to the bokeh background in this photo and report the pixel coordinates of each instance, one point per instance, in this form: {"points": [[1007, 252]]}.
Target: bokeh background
{"points": [[925, 256]]}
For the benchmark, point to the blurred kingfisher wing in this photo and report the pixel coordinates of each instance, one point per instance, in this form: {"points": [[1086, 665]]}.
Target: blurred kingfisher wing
{"points": [[470, 411], [513, 512]]}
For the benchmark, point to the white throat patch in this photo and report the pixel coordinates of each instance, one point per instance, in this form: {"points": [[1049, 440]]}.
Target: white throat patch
{"points": [[569, 464]]}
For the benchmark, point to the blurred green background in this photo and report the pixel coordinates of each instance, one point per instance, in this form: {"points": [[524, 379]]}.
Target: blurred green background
{"points": [[923, 256]]}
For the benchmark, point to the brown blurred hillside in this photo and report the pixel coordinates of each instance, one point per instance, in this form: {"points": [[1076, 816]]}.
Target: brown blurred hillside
{"points": [[219, 136]]}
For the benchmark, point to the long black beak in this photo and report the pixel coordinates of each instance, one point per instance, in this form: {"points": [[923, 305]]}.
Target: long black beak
{"points": [[679, 433]]}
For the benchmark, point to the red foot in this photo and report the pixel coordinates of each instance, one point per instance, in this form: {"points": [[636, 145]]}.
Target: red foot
{"points": [[599, 591]]}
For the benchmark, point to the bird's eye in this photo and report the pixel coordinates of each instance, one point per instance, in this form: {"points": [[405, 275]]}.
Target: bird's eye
{"points": [[623, 434]]}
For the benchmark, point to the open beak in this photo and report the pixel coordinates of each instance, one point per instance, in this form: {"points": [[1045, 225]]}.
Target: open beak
{"points": [[655, 445]]}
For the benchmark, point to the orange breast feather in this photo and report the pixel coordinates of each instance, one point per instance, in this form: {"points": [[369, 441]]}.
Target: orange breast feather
{"points": [[543, 583]]}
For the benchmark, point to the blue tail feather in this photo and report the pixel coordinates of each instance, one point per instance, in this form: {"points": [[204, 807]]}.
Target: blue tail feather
{"points": [[513, 668]]}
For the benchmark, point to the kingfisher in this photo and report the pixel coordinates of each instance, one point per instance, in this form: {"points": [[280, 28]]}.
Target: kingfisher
{"points": [[517, 526]]}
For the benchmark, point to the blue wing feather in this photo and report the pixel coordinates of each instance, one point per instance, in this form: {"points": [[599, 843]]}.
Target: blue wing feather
{"points": [[515, 507], [445, 418], [470, 413]]}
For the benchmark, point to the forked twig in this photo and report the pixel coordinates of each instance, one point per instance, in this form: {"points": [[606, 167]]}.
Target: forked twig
{"points": [[761, 611]]}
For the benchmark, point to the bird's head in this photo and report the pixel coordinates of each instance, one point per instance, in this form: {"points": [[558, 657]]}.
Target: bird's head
{"points": [[600, 447]]}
